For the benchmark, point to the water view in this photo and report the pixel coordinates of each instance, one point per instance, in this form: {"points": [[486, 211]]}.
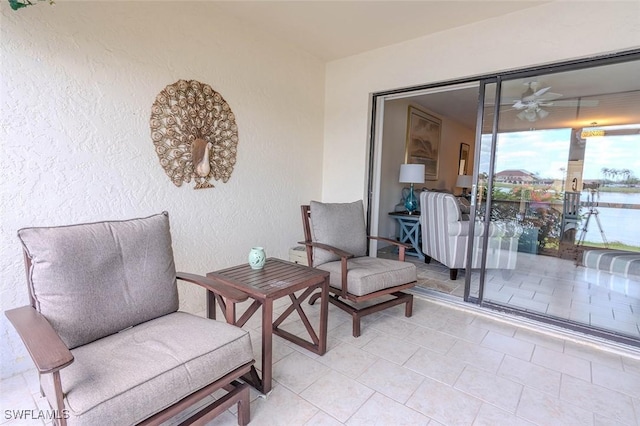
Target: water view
{"points": [[618, 224]]}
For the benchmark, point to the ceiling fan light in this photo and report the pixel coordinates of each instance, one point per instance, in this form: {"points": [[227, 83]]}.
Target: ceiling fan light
{"points": [[542, 113]]}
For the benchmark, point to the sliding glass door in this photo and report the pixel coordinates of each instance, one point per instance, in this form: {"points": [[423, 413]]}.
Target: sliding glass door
{"points": [[554, 221], [558, 196]]}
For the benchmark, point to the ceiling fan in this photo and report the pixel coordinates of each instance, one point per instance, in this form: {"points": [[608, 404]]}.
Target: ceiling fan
{"points": [[533, 100]]}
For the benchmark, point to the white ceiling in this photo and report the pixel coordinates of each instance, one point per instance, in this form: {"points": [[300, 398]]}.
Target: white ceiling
{"points": [[332, 30]]}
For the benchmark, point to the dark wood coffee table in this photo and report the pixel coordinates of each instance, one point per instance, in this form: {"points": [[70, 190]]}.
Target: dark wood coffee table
{"points": [[278, 278]]}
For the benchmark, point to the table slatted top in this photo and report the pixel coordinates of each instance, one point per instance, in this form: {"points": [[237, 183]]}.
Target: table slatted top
{"points": [[277, 276]]}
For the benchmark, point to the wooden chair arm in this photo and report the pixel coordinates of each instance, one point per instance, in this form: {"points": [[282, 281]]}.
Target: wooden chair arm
{"points": [[334, 250], [390, 241], [211, 284], [46, 348]]}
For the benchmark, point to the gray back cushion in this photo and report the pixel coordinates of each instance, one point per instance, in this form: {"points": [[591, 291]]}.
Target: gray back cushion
{"points": [[340, 225], [96, 279]]}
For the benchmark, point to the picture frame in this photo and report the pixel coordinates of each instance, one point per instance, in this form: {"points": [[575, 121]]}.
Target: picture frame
{"points": [[423, 141], [463, 162]]}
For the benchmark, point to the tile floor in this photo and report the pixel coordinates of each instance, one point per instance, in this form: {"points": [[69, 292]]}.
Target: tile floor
{"points": [[446, 365], [552, 286]]}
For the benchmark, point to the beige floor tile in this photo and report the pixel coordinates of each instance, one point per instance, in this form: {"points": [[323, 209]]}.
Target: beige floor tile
{"points": [[347, 359], [395, 350], [344, 332], [476, 355], [501, 392], [297, 371], [469, 332], [631, 365], [587, 352], [439, 367], [508, 345], [619, 380], [280, 350], [444, 403], [381, 410], [490, 415], [568, 364], [500, 327], [323, 419], [531, 375], [393, 326], [392, 380], [281, 407], [607, 402], [337, 394], [224, 419], [432, 339], [15, 399], [540, 339], [544, 409]]}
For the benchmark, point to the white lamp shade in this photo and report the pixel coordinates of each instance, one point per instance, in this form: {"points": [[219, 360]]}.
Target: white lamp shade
{"points": [[464, 181], [411, 173]]}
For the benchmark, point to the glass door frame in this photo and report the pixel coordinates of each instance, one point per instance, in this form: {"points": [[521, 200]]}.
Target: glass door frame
{"points": [[484, 80]]}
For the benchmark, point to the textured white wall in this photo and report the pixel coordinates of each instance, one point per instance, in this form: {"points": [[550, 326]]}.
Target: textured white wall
{"points": [[77, 85], [548, 33]]}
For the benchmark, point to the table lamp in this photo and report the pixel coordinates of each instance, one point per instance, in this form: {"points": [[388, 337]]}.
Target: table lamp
{"points": [[411, 173], [464, 182]]}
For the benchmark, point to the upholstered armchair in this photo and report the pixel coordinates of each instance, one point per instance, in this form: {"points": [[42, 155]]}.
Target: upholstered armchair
{"points": [[336, 241], [105, 333], [445, 235]]}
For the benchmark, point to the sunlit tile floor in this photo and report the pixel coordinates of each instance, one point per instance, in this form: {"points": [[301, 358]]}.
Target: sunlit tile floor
{"points": [[551, 286], [446, 365]]}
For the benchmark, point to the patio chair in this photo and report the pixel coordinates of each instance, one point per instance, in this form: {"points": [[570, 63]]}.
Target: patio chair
{"points": [[336, 241], [445, 235], [105, 333]]}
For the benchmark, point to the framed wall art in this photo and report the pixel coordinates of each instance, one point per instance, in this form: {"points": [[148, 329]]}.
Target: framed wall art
{"points": [[463, 163], [423, 141]]}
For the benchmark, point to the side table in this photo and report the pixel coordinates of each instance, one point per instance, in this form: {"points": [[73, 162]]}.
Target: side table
{"points": [[409, 231], [278, 278]]}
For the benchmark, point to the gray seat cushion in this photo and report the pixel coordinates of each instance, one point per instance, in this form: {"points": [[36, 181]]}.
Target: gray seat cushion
{"points": [[95, 279], [129, 376], [369, 274], [340, 225]]}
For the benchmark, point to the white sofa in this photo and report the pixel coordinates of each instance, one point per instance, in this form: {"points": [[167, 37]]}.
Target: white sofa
{"points": [[445, 236]]}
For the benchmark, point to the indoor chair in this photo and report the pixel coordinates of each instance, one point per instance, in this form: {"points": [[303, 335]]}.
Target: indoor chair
{"points": [[105, 333], [336, 241], [445, 235]]}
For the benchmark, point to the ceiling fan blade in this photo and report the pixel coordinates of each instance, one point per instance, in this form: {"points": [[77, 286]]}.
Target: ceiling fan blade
{"points": [[542, 91], [575, 103], [519, 105], [551, 96]]}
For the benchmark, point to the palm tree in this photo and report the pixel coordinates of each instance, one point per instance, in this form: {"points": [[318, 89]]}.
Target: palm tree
{"points": [[605, 174]]}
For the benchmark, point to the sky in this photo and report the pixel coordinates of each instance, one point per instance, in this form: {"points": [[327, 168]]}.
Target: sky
{"points": [[545, 153]]}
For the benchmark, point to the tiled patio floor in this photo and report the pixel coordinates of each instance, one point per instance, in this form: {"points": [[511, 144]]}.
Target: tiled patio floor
{"points": [[552, 286], [446, 365]]}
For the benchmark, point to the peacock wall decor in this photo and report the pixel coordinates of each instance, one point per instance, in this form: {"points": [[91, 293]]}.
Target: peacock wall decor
{"points": [[195, 133]]}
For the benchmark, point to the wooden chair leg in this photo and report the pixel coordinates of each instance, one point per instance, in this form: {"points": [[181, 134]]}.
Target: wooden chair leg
{"points": [[408, 308], [244, 414], [356, 325], [453, 274]]}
